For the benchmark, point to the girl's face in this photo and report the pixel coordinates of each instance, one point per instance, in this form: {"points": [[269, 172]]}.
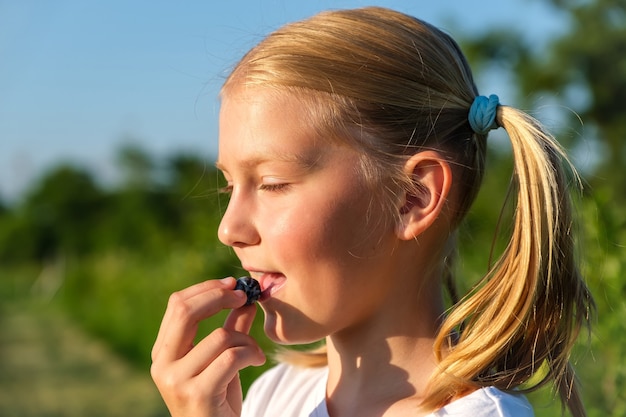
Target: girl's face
{"points": [[301, 219]]}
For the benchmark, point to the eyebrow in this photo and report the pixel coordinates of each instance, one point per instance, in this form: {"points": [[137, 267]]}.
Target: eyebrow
{"points": [[303, 160]]}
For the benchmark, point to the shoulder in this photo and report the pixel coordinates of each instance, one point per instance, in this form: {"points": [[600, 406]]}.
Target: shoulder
{"points": [[287, 390], [488, 402]]}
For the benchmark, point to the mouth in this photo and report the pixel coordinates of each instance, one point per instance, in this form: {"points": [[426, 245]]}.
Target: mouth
{"points": [[270, 282]]}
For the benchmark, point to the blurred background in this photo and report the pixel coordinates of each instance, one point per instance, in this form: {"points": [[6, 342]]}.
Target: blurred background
{"points": [[108, 201]]}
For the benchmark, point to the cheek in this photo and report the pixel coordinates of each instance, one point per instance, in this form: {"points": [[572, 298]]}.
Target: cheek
{"points": [[324, 250], [300, 239], [341, 231], [311, 223], [287, 228]]}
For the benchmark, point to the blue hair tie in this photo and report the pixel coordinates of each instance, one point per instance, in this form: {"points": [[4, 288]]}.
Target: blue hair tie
{"points": [[482, 114]]}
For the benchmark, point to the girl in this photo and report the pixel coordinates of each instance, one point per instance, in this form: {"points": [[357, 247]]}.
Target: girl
{"points": [[353, 144]]}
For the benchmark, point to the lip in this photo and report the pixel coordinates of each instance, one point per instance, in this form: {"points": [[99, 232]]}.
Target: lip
{"points": [[270, 282]]}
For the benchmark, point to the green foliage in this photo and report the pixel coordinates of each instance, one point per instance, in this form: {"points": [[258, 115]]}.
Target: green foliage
{"points": [[54, 217], [600, 357], [67, 213], [602, 363], [583, 70], [112, 256], [122, 296]]}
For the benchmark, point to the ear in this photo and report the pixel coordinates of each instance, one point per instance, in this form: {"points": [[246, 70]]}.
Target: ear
{"points": [[420, 207]]}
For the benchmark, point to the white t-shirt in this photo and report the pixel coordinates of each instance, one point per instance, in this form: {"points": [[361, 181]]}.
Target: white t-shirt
{"points": [[289, 391]]}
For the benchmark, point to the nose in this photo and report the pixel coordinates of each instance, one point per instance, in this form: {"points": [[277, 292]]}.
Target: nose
{"points": [[237, 228]]}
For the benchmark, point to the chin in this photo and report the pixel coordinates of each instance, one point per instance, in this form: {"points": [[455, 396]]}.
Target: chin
{"points": [[283, 333]]}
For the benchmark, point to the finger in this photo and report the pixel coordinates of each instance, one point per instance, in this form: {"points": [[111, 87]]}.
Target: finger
{"points": [[228, 282], [186, 314], [241, 319], [212, 347], [186, 293], [234, 395], [186, 309], [179, 298], [178, 372], [225, 368]]}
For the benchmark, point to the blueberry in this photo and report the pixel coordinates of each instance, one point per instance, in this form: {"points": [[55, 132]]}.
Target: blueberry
{"points": [[251, 287]]}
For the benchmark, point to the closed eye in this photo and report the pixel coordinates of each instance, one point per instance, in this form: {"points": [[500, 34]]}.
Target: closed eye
{"points": [[274, 187]]}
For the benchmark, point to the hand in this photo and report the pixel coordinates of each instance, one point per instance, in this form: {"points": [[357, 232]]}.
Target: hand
{"points": [[203, 380]]}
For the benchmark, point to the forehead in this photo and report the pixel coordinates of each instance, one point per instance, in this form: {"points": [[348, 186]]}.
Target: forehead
{"points": [[258, 124]]}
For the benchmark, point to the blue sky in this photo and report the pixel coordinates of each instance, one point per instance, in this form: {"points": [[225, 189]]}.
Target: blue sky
{"points": [[79, 78]]}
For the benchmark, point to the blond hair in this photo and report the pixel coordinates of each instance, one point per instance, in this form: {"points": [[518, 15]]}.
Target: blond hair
{"points": [[392, 85]]}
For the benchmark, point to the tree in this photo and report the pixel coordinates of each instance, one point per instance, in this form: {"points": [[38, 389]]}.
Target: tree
{"points": [[56, 217], [583, 69], [136, 166], [193, 186]]}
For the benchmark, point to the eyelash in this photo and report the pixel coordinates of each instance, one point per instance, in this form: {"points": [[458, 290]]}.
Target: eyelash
{"points": [[273, 187], [263, 187]]}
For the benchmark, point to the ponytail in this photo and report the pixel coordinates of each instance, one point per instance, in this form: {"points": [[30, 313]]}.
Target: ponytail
{"points": [[517, 328]]}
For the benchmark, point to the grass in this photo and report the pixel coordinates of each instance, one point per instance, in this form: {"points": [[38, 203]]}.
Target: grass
{"points": [[51, 367], [77, 333]]}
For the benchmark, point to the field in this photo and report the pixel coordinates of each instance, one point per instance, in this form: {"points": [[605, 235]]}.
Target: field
{"points": [[77, 331], [85, 351], [51, 367]]}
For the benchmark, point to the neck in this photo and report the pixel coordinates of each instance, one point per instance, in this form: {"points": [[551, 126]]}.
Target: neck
{"points": [[388, 358]]}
